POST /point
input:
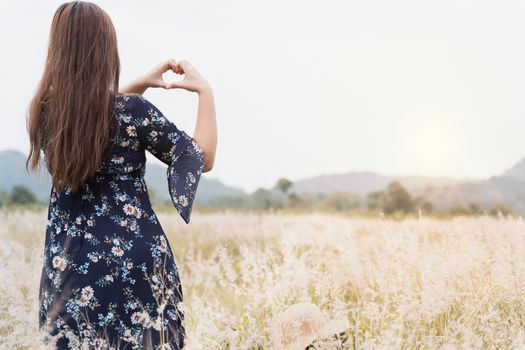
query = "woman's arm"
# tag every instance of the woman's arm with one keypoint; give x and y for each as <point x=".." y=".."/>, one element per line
<point x="151" y="79"/>
<point x="137" y="86"/>
<point x="205" y="134"/>
<point x="206" y="128"/>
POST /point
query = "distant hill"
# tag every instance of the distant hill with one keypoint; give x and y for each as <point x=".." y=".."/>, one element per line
<point x="444" y="193"/>
<point x="483" y="193"/>
<point x="14" y="173"/>
<point x="516" y="172"/>
<point x="363" y="183"/>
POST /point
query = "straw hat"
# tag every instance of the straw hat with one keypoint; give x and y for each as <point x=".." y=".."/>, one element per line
<point x="300" y="325"/>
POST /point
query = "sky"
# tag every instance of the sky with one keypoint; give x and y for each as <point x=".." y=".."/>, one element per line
<point x="305" y="88"/>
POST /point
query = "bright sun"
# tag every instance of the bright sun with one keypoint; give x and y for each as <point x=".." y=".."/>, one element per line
<point x="432" y="147"/>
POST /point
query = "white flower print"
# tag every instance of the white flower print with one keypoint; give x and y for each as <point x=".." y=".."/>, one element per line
<point x="117" y="251"/>
<point x="183" y="200"/>
<point x="136" y="317"/>
<point x="132" y="210"/>
<point x="128" y="209"/>
<point x="117" y="160"/>
<point x="85" y="296"/>
<point x="141" y="317"/>
<point x="87" y="292"/>
<point x="59" y="263"/>
<point x="131" y="130"/>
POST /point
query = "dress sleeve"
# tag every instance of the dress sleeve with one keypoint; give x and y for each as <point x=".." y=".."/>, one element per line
<point x="174" y="147"/>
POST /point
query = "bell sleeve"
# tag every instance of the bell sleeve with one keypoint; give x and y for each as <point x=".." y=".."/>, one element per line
<point x="174" y="147"/>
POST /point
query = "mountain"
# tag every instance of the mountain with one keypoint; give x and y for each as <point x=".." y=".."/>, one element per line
<point x="14" y="173"/>
<point x="444" y="193"/>
<point x="516" y="172"/>
<point x="363" y="183"/>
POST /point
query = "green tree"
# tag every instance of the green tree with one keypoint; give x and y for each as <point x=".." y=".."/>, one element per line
<point x="342" y="201"/>
<point x="424" y="205"/>
<point x="373" y="200"/>
<point x="283" y="185"/>
<point x="475" y="209"/>
<point x="3" y="197"/>
<point x="21" y="195"/>
<point x="395" y="199"/>
<point x="262" y="199"/>
<point x="295" y="200"/>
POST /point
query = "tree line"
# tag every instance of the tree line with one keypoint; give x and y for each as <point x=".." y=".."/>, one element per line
<point x="394" y="200"/>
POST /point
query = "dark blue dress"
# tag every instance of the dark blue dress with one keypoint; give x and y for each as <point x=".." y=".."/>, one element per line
<point x="109" y="277"/>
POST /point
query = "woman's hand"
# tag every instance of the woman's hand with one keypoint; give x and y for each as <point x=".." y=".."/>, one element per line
<point x="193" y="80"/>
<point x="151" y="79"/>
<point x="154" y="77"/>
<point x="205" y="134"/>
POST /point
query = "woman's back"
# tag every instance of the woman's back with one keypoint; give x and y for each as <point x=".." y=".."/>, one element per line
<point x="109" y="271"/>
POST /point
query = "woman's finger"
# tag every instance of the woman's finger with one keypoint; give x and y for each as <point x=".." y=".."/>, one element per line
<point x="180" y="69"/>
<point x="163" y="67"/>
<point x="172" y="64"/>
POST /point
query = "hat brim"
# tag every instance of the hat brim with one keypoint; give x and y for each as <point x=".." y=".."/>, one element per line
<point x="330" y="329"/>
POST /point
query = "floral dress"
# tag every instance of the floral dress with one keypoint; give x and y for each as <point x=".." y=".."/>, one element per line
<point x="109" y="279"/>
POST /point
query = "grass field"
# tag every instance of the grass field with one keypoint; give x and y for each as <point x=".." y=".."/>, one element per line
<point x="411" y="284"/>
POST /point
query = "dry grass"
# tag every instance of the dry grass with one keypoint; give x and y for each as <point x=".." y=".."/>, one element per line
<point x="417" y="283"/>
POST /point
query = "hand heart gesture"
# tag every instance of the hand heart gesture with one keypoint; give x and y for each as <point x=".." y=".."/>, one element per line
<point x="193" y="80"/>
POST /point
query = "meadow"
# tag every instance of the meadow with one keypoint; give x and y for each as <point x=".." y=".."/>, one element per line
<point x="417" y="283"/>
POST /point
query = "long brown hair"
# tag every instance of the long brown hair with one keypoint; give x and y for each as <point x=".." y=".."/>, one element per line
<point x="70" y="115"/>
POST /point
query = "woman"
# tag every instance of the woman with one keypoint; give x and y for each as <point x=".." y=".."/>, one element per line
<point x="109" y="278"/>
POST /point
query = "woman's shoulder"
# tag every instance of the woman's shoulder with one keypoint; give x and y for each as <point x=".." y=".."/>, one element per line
<point x="136" y="111"/>
<point x="132" y="102"/>
<point x="126" y="100"/>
